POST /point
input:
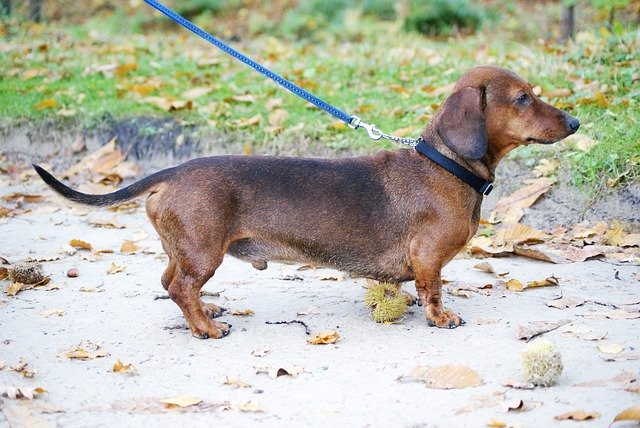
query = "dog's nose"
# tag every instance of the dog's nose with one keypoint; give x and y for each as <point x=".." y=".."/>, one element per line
<point x="573" y="124"/>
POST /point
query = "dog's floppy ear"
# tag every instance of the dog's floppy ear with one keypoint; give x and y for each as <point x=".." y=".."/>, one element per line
<point x="461" y="123"/>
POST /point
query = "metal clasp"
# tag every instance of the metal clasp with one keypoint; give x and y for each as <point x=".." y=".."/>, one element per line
<point x="487" y="189"/>
<point x="372" y="130"/>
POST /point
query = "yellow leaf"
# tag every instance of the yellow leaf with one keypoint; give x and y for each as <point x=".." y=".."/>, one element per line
<point x="249" y="406"/>
<point x="324" y="338"/>
<point x="515" y="285"/>
<point x="114" y="268"/>
<point x="338" y="126"/>
<point x="52" y="312"/>
<point x="120" y="367"/>
<point x="129" y="247"/>
<point x="236" y="383"/>
<point x="511" y="208"/>
<point x="14" y="288"/>
<point x="124" y="69"/>
<point x="252" y="121"/>
<point x="615" y="235"/>
<point x="243" y="313"/>
<point x="48" y="103"/>
<point x="181" y="401"/>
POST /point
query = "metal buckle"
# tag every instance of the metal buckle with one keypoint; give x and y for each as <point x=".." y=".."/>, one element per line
<point x="487" y="189"/>
<point x="372" y="130"/>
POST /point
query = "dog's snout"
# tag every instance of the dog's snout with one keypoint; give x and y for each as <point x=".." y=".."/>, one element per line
<point x="573" y="124"/>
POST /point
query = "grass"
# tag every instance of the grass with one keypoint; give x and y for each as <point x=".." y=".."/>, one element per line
<point x="370" y="68"/>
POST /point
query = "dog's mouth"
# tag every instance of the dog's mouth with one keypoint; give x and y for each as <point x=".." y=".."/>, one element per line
<point x="539" y="141"/>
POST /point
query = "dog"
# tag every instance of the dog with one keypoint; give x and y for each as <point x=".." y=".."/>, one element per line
<point x="394" y="216"/>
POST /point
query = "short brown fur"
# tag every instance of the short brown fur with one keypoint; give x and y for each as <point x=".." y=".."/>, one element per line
<point x="394" y="216"/>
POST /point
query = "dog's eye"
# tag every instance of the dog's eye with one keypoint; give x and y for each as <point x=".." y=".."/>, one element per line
<point x="523" y="98"/>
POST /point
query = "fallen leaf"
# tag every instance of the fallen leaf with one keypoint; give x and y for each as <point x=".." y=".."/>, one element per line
<point x="52" y="312"/>
<point x="252" y="121"/>
<point x="249" y="406"/>
<point x="583" y="332"/>
<point x="630" y="414"/>
<point x="324" y="338"/>
<point x="22" y="368"/>
<point x="451" y="376"/>
<point x="518" y="234"/>
<point x="124" y="69"/>
<point x="14" y="288"/>
<point x="21" y="393"/>
<point x="79" y="244"/>
<point x="114" y="268"/>
<point x="120" y="367"/>
<point x="610" y="348"/>
<point x="565" y="302"/>
<point x="275" y="372"/>
<point x="4" y="273"/>
<point x="243" y="313"/>
<point x="86" y="350"/>
<point x="194" y="93"/>
<point x="536" y="328"/>
<point x="46" y="103"/>
<point x="577" y="415"/>
<point x="494" y="423"/>
<point x="106" y="223"/>
<point x="129" y="247"/>
<point x="617" y="314"/>
<point x="181" y="401"/>
<point x="484" y="267"/>
<point x="245" y="99"/>
<point x="511" y="208"/>
<point x="236" y="383"/>
<point x="481" y="402"/>
<point x="91" y="289"/>
<point x="515" y="285"/>
<point x="23" y="197"/>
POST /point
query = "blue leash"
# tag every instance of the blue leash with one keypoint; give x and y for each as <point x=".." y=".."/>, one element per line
<point x="481" y="185"/>
<point x="353" y="121"/>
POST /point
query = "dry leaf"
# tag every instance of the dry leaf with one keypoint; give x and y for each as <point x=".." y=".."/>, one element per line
<point x="494" y="423"/>
<point x="610" y="348"/>
<point x="52" y="312"/>
<point x="536" y="328"/>
<point x="515" y="285"/>
<point x="518" y="234"/>
<point x="236" y="383"/>
<point x="252" y="121"/>
<point x="630" y="414"/>
<point x="194" y="93"/>
<point x="577" y="415"/>
<point x="249" y="406"/>
<point x="181" y="401"/>
<point x="120" y="367"/>
<point x="86" y="350"/>
<point x="21" y="393"/>
<point x="114" y="268"/>
<point x="275" y="372"/>
<point x="484" y="267"/>
<point x="106" y="223"/>
<point x="243" y="313"/>
<point x="79" y="244"/>
<point x="565" y="302"/>
<point x="623" y="356"/>
<point x="129" y="247"/>
<point x="617" y="314"/>
<point x="14" y="288"/>
<point x="324" y="338"/>
<point x="46" y="103"/>
<point x="583" y="332"/>
<point x="91" y="289"/>
<point x="21" y="368"/>
<point x="451" y="376"/>
<point x="511" y="208"/>
<point x="518" y="385"/>
<point x="23" y="197"/>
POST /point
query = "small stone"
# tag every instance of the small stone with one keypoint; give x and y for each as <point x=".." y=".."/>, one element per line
<point x="73" y="273"/>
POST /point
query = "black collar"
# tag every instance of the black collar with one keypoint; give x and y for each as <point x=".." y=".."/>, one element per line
<point x="479" y="184"/>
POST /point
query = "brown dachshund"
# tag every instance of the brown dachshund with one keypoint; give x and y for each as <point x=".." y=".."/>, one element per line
<point x="394" y="216"/>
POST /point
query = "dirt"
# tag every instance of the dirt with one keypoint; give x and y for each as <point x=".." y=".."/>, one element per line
<point x="350" y="383"/>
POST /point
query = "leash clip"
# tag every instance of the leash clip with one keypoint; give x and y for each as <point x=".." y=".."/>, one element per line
<point x="372" y="130"/>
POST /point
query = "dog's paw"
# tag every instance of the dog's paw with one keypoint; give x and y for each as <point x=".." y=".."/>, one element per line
<point x="445" y="319"/>
<point x="218" y="330"/>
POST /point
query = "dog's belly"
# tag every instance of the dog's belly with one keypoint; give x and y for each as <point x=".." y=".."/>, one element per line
<point x="259" y="252"/>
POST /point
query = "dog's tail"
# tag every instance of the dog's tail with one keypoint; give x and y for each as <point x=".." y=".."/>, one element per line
<point x="120" y="195"/>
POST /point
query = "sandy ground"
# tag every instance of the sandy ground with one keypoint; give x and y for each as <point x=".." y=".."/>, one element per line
<point x="350" y="383"/>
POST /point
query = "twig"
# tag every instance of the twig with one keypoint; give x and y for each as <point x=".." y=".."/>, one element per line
<point x="306" y="327"/>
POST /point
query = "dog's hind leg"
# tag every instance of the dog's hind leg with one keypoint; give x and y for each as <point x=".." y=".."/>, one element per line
<point x="184" y="290"/>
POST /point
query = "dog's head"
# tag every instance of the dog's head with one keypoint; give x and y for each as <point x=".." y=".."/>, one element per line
<point x="492" y="111"/>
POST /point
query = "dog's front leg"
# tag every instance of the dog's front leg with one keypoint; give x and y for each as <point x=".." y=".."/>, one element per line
<point x="427" y="259"/>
